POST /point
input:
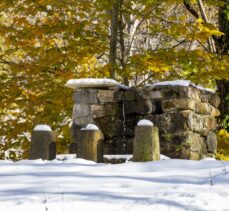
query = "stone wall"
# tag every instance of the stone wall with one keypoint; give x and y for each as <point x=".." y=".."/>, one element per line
<point x="101" y="107"/>
<point x="185" y="116"/>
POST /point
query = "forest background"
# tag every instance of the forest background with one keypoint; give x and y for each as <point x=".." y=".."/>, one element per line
<point x="43" y="43"/>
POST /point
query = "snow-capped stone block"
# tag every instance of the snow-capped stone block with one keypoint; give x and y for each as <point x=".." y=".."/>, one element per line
<point x="43" y="144"/>
<point x="42" y="128"/>
<point x="145" y="122"/>
<point x="91" y="83"/>
<point x="90" y="144"/>
<point x="146" y="145"/>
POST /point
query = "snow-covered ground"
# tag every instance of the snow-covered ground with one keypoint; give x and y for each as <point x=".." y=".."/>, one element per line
<point x="71" y="184"/>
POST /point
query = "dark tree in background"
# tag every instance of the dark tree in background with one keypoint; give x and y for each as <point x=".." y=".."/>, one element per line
<point x="223" y="49"/>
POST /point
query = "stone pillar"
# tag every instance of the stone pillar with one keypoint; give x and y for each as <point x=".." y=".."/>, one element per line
<point x="146" y="145"/>
<point x="90" y="145"/>
<point x="43" y="145"/>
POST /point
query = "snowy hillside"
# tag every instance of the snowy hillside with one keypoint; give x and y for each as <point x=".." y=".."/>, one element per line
<point x="76" y="184"/>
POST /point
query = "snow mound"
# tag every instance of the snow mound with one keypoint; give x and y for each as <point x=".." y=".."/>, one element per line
<point x="42" y="128"/>
<point x="145" y="122"/>
<point x="90" y="127"/>
<point x="66" y="156"/>
<point x="126" y="157"/>
<point x="184" y="83"/>
<point x="82" y="185"/>
<point x="163" y="157"/>
<point x="91" y="82"/>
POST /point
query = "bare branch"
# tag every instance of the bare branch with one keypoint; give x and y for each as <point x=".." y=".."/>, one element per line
<point x="191" y="9"/>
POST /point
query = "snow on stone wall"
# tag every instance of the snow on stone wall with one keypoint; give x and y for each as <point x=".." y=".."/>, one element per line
<point x="184" y="113"/>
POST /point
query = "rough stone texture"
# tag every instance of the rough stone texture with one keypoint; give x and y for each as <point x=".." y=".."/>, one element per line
<point x="188" y="114"/>
<point x="81" y="110"/>
<point x="110" y="126"/>
<point x="183" y="121"/>
<point x="186" y="145"/>
<point x="146" y="146"/>
<point x="119" y="95"/>
<point x="83" y="121"/>
<point x="73" y="148"/>
<point x="189" y="104"/>
<point x="90" y="145"/>
<point x="118" y="145"/>
<point x="108" y="109"/>
<point x="131" y="94"/>
<point x="212" y="142"/>
<point x="213" y="99"/>
<point x="105" y="108"/>
<point x="105" y="96"/>
<point x="140" y="107"/>
<point x="43" y="145"/>
<point x="171" y="92"/>
<point x="156" y="95"/>
<point x="85" y="96"/>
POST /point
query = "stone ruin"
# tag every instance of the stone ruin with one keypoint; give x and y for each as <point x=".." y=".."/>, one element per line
<point x="184" y="114"/>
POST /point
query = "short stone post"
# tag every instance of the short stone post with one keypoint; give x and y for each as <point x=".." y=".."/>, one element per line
<point x="146" y="145"/>
<point x="43" y="143"/>
<point x="90" y="144"/>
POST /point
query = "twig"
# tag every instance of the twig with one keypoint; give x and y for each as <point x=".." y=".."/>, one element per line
<point x="224" y="168"/>
<point x="211" y="43"/>
<point x="45" y="202"/>
<point x="210" y="175"/>
<point x="62" y="200"/>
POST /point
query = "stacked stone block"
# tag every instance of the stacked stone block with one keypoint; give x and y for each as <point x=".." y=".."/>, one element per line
<point x="43" y="145"/>
<point x="100" y="107"/>
<point x="90" y="145"/>
<point x="185" y="116"/>
<point x="146" y="146"/>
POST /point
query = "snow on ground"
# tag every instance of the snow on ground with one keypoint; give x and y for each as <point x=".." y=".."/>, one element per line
<point x="76" y="184"/>
<point x="126" y="157"/>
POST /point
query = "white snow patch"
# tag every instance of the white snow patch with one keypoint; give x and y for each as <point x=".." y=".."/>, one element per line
<point x="163" y="157"/>
<point x="66" y="156"/>
<point x="172" y="83"/>
<point x="207" y="158"/>
<point x="42" y="128"/>
<point x="90" y="127"/>
<point x="129" y="157"/>
<point x="145" y="122"/>
<point x="91" y="82"/>
<point x="126" y="157"/>
<point x="184" y="83"/>
<point x="82" y="185"/>
<point x="49" y="7"/>
<point x="203" y="89"/>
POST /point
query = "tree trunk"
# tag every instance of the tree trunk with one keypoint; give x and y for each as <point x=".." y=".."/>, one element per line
<point x="122" y="44"/>
<point x="113" y="38"/>
<point x="223" y="42"/>
<point x="211" y="43"/>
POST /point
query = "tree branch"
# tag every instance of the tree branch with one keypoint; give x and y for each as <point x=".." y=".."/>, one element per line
<point x="191" y="9"/>
<point x="211" y="42"/>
